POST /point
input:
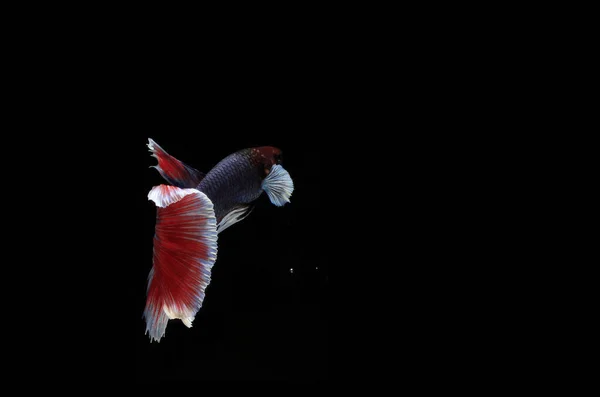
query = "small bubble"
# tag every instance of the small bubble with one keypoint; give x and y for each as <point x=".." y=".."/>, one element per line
<point x="292" y="270"/>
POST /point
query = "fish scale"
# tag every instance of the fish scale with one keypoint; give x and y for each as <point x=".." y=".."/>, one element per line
<point x="232" y="182"/>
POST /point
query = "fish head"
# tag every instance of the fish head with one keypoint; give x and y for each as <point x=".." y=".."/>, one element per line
<point x="267" y="157"/>
<point x="276" y="181"/>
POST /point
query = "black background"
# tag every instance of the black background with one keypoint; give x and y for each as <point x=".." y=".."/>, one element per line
<point x="265" y="311"/>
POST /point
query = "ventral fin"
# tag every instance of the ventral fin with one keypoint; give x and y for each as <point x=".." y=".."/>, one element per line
<point x="234" y="216"/>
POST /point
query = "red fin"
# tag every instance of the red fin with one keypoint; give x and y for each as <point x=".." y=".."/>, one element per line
<point x="173" y="170"/>
<point x="185" y="249"/>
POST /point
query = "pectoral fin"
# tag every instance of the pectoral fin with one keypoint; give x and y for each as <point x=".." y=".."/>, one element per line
<point x="278" y="185"/>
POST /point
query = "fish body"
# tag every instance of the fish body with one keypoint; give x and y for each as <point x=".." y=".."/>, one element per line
<point x="237" y="179"/>
<point x="191" y="211"/>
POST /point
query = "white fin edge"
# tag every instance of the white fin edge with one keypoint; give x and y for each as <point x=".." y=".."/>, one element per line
<point x="278" y="185"/>
<point x="185" y="314"/>
<point x="165" y="195"/>
<point x="153" y="146"/>
<point x="233" y="217"/>
<point x="157" y="320"/>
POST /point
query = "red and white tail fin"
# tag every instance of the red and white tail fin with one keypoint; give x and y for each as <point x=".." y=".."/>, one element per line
<point x="174" y="171"/>
<point x="185" y="249"/>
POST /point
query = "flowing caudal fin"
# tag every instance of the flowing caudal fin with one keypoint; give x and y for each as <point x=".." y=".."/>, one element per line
<point x="185" y="249"/>
<point x="173" y="170"/>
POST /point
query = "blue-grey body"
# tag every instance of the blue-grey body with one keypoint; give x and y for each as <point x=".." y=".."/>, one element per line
<point x="235" y="181"/>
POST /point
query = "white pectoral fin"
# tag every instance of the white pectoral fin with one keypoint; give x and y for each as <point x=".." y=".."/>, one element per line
<point x="278" y="185"/>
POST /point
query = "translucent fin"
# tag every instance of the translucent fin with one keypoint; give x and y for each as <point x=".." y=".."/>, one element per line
<point x="278" y="185"/>
<point x="234" y="217"/>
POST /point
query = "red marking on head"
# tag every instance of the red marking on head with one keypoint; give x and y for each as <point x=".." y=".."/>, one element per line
<point x="267" y="156"/>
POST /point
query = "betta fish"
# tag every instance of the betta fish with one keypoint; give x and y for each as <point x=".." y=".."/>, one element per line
<point x="191" y="211"/>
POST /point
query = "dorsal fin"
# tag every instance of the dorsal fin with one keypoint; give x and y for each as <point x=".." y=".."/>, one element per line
<point x="174" y="171"/>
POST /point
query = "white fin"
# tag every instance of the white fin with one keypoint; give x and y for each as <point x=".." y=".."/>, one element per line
<point x="185" y="314"/>
<point x="278" y="185"/>
<point x="164" y="195"/>
<point x="233" y="217"/>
